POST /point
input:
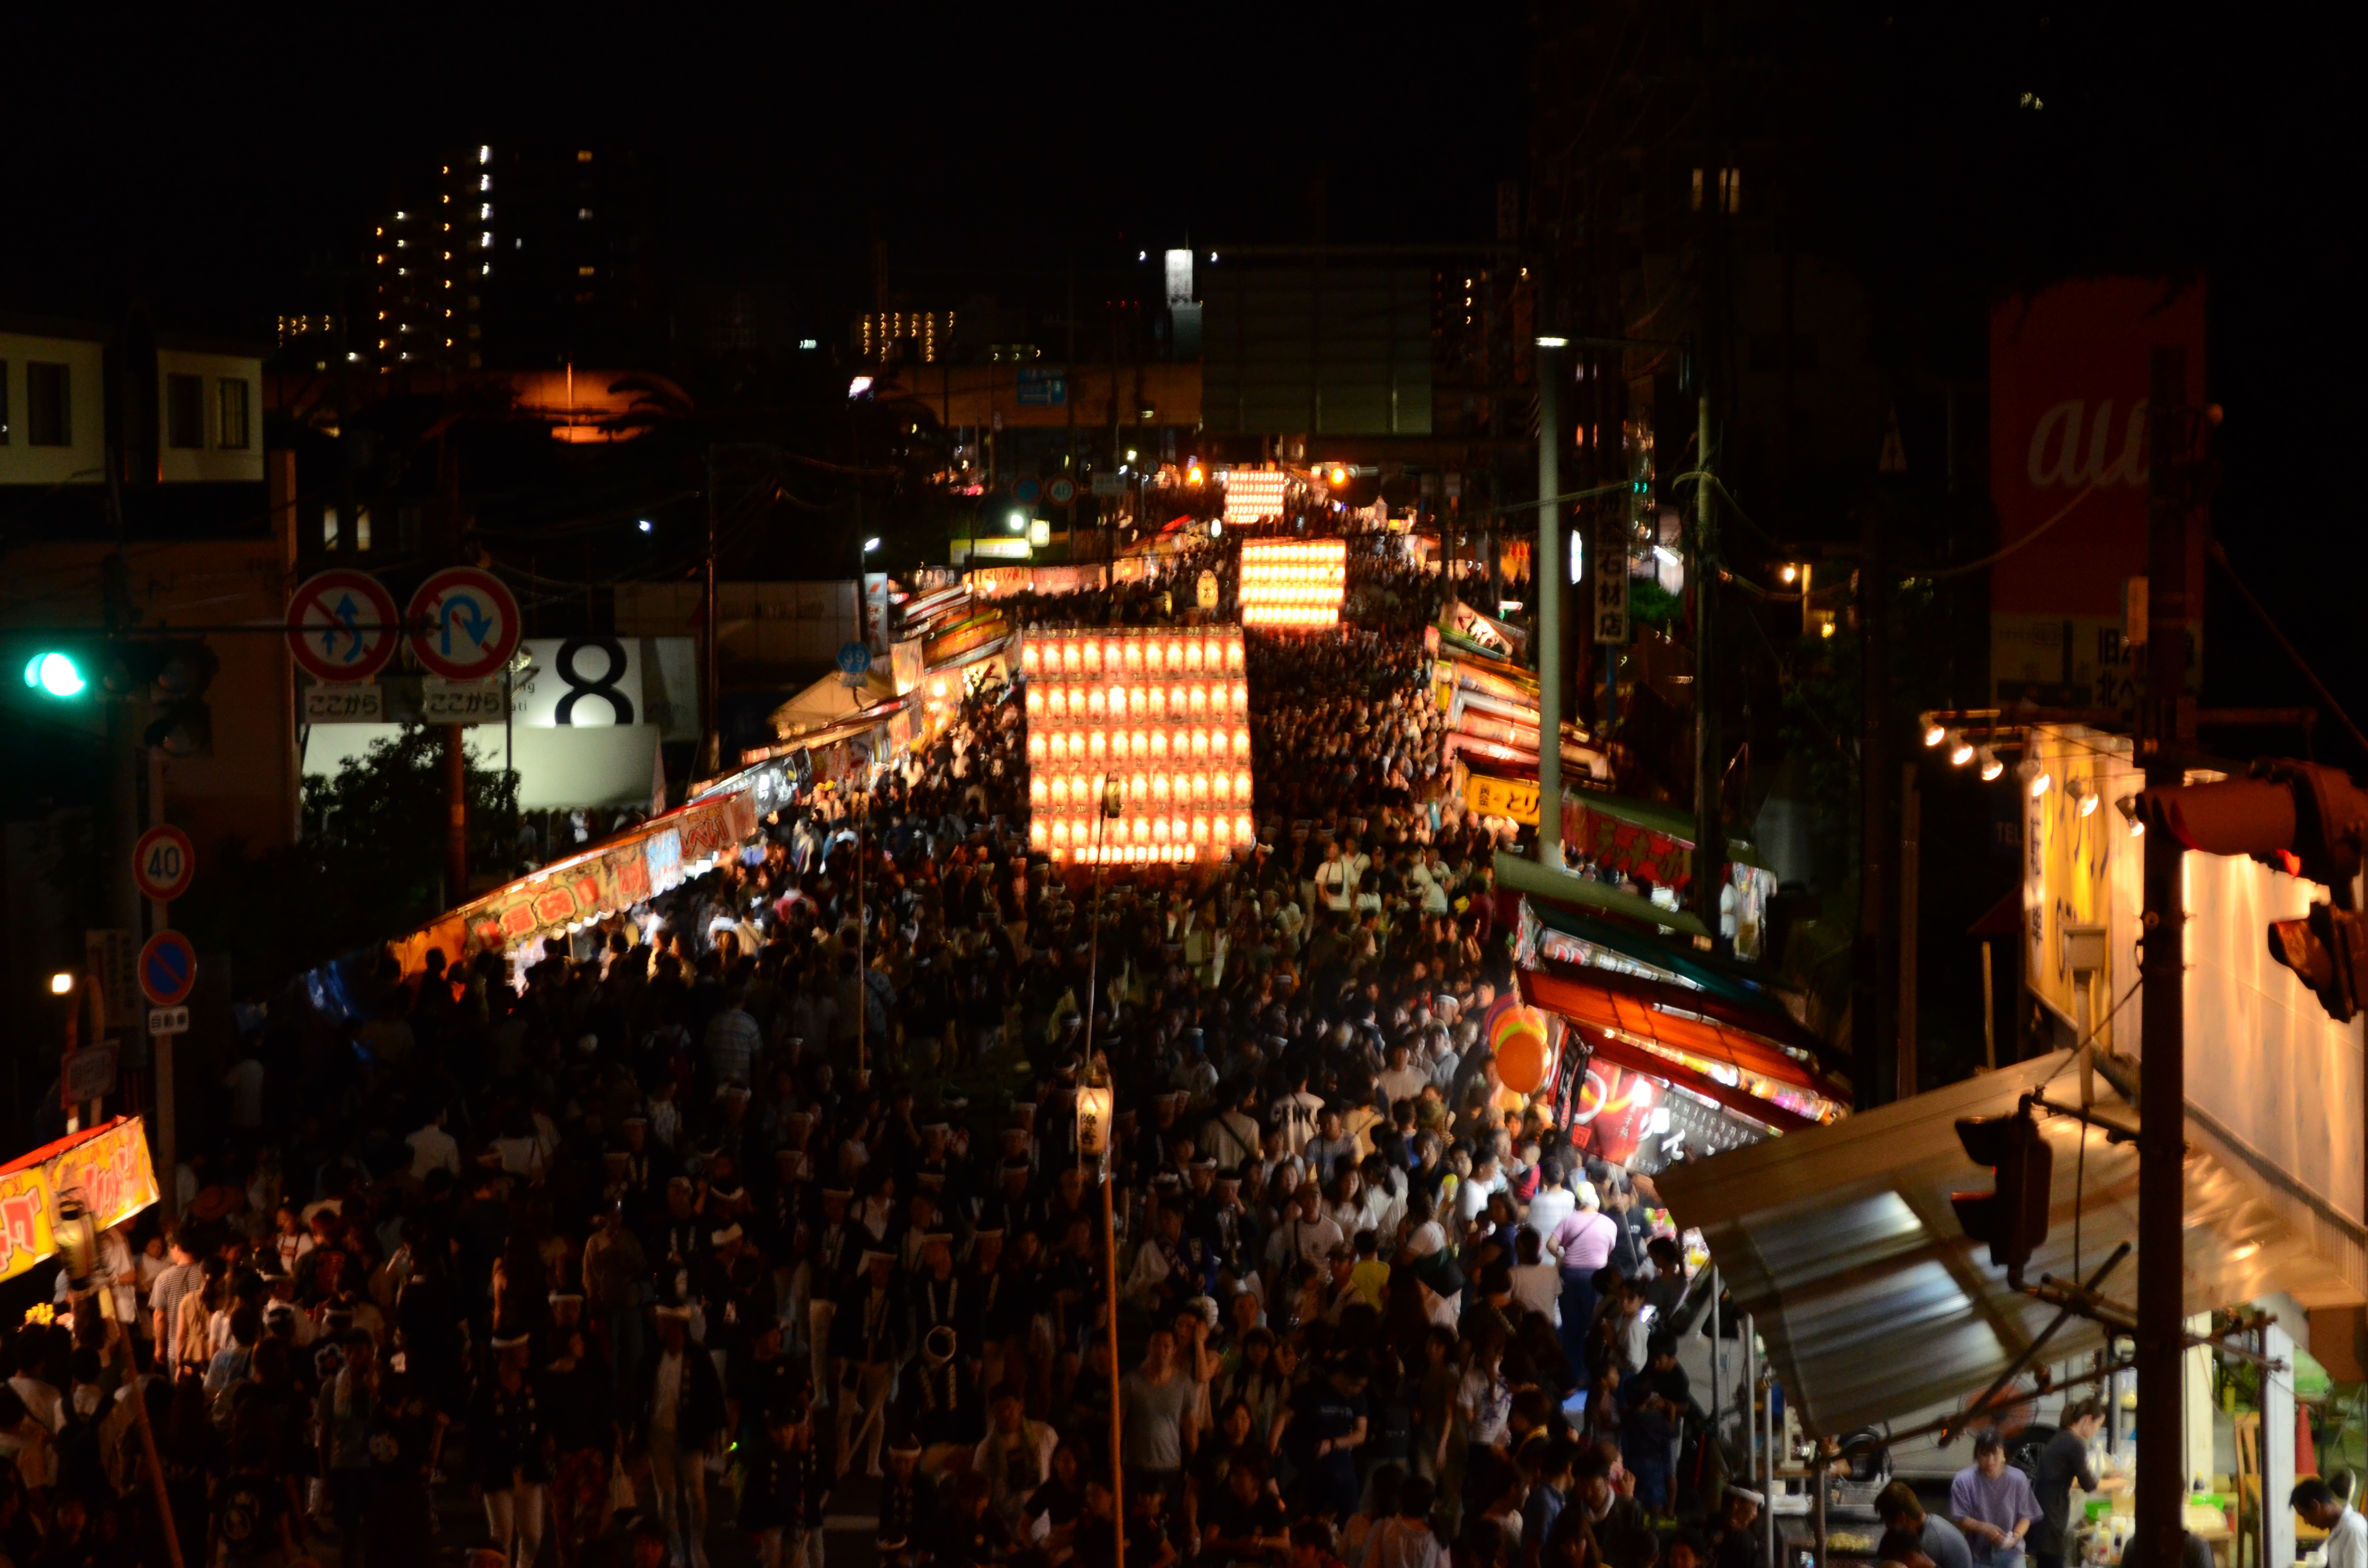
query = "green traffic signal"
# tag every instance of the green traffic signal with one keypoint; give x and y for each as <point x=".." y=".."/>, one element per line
<point x="54" y="673"/>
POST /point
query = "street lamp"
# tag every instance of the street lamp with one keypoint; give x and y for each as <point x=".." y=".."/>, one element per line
<point x="1096" y="1101"/>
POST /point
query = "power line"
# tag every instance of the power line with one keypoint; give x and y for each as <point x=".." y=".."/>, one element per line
<point x="2220" y="558"/>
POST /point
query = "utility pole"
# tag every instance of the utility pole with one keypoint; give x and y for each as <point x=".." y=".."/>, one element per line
<point x="1875" y="975"/>
<point x="2169" y="738"/>
<point x="1709" y="819"/>
<point x="1068" y="381"/>
<point x="1546" y="602"/>
<point x="714" y="741"/>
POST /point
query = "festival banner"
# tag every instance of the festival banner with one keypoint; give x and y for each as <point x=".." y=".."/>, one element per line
<point x="1516" y="799"/>
<point x="105" y="1169"/>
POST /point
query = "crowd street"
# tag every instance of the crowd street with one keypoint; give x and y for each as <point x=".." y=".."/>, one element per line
<point x="750" y="1225"/>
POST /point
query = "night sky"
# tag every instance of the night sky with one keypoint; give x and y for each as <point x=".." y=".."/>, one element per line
<point x="215" y="167"/>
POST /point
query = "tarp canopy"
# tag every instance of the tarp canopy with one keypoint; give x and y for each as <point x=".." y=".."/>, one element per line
<point x="1523" y="875"/>
<point x="1650" y="952"/>
<point x="1740" y="1057"/>
<point x="1840" y="1241"/>
<point x="830" y="699"/>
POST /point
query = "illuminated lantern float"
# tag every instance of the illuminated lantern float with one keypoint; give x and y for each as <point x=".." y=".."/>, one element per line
<point x="1167" y="712"/>
<point x="1293" y="585"/>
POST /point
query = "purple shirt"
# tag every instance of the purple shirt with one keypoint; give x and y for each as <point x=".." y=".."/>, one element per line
<point x="2005" y="1500"/>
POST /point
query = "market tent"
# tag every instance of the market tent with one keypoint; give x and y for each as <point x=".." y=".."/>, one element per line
<point x="830" y="699"/>
<point x="1756" y="1014"/>
<point x="1840" y="1241"/>
<point x="1520" y="874"/>
<point x="1654" y="1036"/>
<point x="1644" y="952"/>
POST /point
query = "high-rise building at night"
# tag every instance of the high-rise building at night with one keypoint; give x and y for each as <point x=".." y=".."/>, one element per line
<point x="513" y="257"/>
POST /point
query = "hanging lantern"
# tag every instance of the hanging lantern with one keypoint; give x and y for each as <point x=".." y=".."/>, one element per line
<point x="1518" y="1036"/>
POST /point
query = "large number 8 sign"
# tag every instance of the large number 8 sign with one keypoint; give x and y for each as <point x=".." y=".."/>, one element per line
<point x="579" y="686"/>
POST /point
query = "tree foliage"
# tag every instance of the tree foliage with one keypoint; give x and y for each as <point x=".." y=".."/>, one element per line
<point x="369" y="868"/>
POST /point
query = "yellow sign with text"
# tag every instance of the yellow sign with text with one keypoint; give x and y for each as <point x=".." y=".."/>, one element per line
<point x="1513" y="797"/>
<point x="105" y="1169"/>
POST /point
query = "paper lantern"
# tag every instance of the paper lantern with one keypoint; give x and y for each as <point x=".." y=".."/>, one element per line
<point x="1518" y="1036"/>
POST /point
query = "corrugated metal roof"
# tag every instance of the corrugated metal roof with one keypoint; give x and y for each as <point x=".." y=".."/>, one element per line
<point x="1873" y="1303"/>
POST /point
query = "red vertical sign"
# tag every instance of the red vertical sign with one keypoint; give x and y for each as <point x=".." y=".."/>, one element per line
<point x="2068" y="371"/>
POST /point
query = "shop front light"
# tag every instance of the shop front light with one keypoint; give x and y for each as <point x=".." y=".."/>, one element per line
<point x="1934" y="733"/>
<point x="1962" y="753"/>
<point x="1991" y="766"/>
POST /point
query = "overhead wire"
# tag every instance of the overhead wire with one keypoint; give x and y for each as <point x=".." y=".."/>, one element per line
<point x="2220" y="559"/>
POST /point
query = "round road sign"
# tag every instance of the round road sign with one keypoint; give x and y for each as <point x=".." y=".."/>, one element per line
<point x="162" y="863"/>
<point x="342" y="626"/>
<point x="168" y="968"/>
<point x="1061" y="492"/>
<point x="1025" y="490"/>
<point x="854" y="658"/>
<point x="465" y="624"/>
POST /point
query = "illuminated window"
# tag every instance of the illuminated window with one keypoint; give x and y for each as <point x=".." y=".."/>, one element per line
<point x="1730" y="190"/>
<point x="583" y="214"/>
<point x="484" y="182"/>
<point x="585" y="271"/>
<point x="485" y="240"/>
<point x="485" y="213"/>
<point x="1696" y="204"/>
<point x="230" y="402"/>
<point x="584" y="155"/>
<point x="484" y="155"/>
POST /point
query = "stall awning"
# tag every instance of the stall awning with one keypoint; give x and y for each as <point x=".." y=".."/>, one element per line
<point x="1731" y="1055"/>
<point x="831" y="701"/>
<point x="1841" y="1243"/>
<point x="1523" y="875"/>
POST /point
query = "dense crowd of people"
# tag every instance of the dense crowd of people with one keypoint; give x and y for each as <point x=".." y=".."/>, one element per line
<point x="761" y="1206"/>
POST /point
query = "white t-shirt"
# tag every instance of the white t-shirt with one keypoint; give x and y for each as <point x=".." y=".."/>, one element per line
<point x="1309" y="1240"/>
<point x="2347" y="1543"/>
<point x="1548" y="1209"/>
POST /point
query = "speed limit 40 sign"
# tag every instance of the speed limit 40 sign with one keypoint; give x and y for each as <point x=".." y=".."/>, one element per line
<point x="162" y="862"/>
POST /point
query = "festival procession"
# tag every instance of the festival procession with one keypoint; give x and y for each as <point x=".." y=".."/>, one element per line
<point x="1429" y="871"/>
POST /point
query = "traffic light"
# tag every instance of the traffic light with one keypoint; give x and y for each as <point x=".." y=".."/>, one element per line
<point x="2306" y="819"/>
<point x="2012" y="1217"/>
<point x="55" y="673"/>
<point x="177" y="671"/>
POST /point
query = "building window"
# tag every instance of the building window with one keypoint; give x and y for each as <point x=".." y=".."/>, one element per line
<point x="4" y="402"/>
<point x="49" y="404"/>
<point x="584" y="155"/>
<point x="231" y="398"/>
<point x="184" y="411"/>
